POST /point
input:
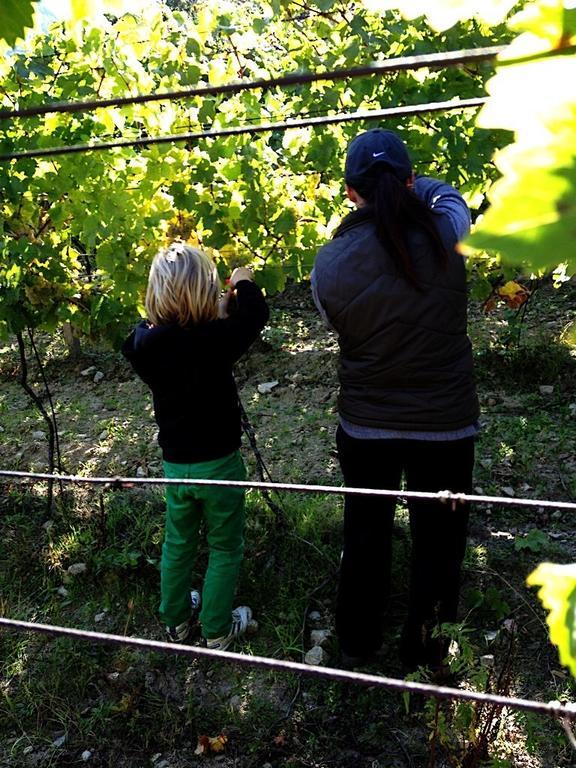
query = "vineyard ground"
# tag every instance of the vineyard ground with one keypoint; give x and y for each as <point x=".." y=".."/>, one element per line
<point x="65" y="703"/>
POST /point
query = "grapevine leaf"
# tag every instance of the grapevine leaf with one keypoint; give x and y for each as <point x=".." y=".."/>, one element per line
<point x="558" y="596"/>
<point x="15" y="17"/>
<point x="267" y="201"/>
<point x="514" y="294"/>
<point x="443" y="14"/>
<point x="532" y="216"/>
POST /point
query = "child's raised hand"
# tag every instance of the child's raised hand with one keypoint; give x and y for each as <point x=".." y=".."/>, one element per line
<point x="240" y="273"/>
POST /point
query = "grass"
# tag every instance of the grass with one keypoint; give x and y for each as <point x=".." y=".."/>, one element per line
<point x="127" y="707"/>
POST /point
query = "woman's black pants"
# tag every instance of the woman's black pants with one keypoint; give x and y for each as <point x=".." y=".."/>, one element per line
<point x="438" y="535"/>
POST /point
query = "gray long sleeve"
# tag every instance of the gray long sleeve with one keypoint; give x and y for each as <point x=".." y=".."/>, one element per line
<point x="446" y="201"/>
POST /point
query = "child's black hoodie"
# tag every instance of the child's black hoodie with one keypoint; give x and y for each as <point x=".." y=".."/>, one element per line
<point x="189" y="371"/>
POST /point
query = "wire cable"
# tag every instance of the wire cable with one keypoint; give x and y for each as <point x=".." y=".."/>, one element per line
<point x="447" y="59"/>
<point x="553" y="708"/>
<point x="445" y="496"/>
<point x="440" y="106"/>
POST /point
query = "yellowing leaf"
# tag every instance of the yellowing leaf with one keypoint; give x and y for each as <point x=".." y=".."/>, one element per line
<point x="228" y="252"/>
<point x="218" y="743"/>
<point x="558" y="595"/>
<point x="85" y="10"/>
<point x="442" y="14"/>
<point x="206" y="22"/>
<point x="82" y="9"/>
<point x="217" y="72"/>
<point x="295" y="139"/>
<point x="513" y="294"/>
<point x="210" y="744"/>
<point x="543" y="23"/>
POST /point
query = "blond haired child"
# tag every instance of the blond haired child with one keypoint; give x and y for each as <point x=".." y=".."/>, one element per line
<point x="185" y="352"/>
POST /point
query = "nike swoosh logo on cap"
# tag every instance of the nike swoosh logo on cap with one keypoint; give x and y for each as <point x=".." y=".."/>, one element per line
<point x="377" y="154"/>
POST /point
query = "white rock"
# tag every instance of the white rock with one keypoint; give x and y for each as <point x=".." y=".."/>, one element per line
<point x="487" y="660"/>
<point x="113" y="677"/>
<point x="141" y="472"/>
<point x="314" y="617"/>
<point x="508" y="490"/>
<point x="98" y="376"/>
<point x="235" y="702"/>
<point x="572" y="409"/>
<point x="100" y="617"/>
<point x="88" y="371"/>
<point x="315" y="656"/>
<point x="103" y="435"/>
<point x="546" y="389"/>
<point x="76" y="569"/>
<point x="252" y="627"/>
<point x="62" y="591"/>
<point x="39" y="435"/>
<point x="266" y="387"/>
<point x="59" y="742"/>
<point x="319" y="636"/>
<point x="86" y="755"/>
<point x="27" y="750"/>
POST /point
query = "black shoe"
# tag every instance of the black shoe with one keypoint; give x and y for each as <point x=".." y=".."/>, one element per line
<point x="419" y="649"/>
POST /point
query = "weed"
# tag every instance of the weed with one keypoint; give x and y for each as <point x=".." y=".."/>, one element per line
<point x="534" y="541"/>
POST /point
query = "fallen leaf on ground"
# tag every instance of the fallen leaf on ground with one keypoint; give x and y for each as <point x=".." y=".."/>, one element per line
<point x="208" y="745"/>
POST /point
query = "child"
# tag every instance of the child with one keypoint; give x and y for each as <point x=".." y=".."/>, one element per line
<point x="185" y="353"/>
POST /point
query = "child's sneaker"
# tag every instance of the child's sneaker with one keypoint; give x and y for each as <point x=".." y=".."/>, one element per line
<point x="178" y="634"/>
<point x="182" y="631"/>
<point x="241" y="618"/>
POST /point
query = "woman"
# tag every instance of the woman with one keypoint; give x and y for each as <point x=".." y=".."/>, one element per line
<point x="393" y="287"/>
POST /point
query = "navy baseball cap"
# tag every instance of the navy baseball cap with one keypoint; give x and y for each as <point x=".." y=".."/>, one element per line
<point x="373" y="148"/>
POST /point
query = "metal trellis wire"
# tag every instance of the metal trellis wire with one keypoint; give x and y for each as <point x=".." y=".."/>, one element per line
<point x="565" y="713"/>
<point x="553" y="708"/>
<point x="404" y="111"/>
<point x="446" y="496"/>
<point x="445" y="59"/>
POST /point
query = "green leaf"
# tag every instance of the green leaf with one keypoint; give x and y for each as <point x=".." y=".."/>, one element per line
<point x="534" y="540"/>
<point x="558" y="595"/>
<point x="272" y="278"/>
<point x="15" y="17"/>
<point x="533" y="215"/>
<point x="275" y="197"/>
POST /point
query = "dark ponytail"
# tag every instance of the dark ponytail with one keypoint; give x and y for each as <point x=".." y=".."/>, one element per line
<point x="397" y="210"/>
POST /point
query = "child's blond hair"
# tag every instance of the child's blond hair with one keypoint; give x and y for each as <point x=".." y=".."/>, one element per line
<point x="183" y="286"/>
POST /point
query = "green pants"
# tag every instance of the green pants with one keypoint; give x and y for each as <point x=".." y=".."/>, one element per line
<point x="222" y="510"/>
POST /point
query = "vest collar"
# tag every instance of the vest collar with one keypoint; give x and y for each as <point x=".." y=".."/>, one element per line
<point x="355" y="219"/>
